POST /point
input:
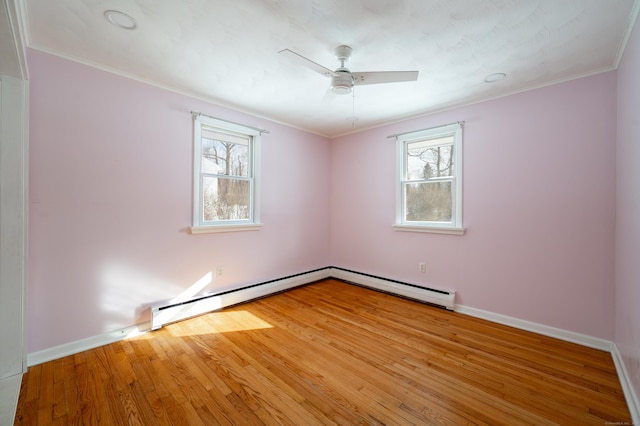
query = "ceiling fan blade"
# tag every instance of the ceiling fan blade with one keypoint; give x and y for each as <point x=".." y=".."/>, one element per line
<point x="306" y="62"/>
<point x="376" y="77"/>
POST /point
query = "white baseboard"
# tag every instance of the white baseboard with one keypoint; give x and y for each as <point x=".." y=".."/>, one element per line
<point x="625" y="381"/>
<point x="545" y="330"/>
<point x="81" y="345"/>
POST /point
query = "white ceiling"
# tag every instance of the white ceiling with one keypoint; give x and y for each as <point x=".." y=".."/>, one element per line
<point x="226" y="51"/>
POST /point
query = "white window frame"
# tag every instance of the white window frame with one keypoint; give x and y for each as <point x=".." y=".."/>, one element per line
<point x="402" y="141"/>
<point x="199" y="225"/>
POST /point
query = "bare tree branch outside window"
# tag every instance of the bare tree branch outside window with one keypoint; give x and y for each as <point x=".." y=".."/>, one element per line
<point x="428" y="190"/>
<point x="226" y="185"/>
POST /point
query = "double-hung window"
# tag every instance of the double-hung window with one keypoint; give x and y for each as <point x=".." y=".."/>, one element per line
<point x="225" y="176"/>
<point x="429" y="197"/>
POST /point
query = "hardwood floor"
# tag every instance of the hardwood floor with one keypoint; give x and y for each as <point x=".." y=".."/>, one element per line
<point x="328" y="353"/>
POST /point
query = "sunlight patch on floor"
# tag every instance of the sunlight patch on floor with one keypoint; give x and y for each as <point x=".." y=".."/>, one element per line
<point x="219" y="322"/>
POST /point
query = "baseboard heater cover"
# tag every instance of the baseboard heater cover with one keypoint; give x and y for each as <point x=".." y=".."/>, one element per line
<point x="168" y="313"/>
<point x="443" y="298"/>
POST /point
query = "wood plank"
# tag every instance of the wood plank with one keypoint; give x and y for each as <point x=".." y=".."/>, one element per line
<point x="328" y="353"/>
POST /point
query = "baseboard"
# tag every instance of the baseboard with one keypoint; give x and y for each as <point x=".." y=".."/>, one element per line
<point x="442" y="298"/>
<point x="627" y="387"/>
<point x="545" y="330"/>
<point x="78" y="346"/>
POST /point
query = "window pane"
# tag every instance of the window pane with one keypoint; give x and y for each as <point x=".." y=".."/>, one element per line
<point x="425" y="161"/>
<point x="225" y="158"/>
<point x="428" y="202"/>
<point x="225" y="199"/>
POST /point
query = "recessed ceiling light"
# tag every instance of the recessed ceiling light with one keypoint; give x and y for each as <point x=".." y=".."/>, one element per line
<point x="120" y="19"/>
<point x="492" y="78"/>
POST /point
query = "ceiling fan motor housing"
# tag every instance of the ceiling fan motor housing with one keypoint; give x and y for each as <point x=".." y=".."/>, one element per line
<point x="343" y="52"/>
<point x="341" y="82"/>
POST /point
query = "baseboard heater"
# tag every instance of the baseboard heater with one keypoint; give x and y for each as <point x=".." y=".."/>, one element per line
<point x="443" y="298"/>
<point x="167" y="313"/>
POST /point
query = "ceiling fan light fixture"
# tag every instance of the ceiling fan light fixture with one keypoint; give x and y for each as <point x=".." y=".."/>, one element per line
<point x="341" y="90"/>
<point x="120" y="19"/>
<point x="341" y="84"/>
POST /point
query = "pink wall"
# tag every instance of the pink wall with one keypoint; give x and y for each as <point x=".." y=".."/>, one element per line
<point x="627" y="317"/>
<point x="539" y="207"/>
<point x="110" y="203"/>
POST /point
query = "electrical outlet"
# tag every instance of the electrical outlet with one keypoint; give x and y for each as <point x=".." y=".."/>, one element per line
<point x="219" y="270"/>
<point x="422" y="267"/>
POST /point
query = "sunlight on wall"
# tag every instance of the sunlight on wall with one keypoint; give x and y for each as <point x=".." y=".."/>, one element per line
<point x="180" y="312"/>
<point x="175" y="313"/>
<point x="194" y="289"/>
<point x="124" y="296"/>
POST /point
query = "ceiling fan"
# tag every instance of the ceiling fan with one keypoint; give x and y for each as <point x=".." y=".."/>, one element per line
<point x="343" y="80"/>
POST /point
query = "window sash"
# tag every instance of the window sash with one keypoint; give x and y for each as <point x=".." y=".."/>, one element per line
<point x="451" y="135"/>
<point x="209" y="128"/>
<point x="231" y="137"/>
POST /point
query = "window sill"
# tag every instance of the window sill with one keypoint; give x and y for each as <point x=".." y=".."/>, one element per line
<point x="225" y="228"/>
<point x="430" y="229"/>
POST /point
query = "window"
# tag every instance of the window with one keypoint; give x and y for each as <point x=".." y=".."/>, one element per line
<point x="224" y="184"/>
<point x="430" y="180"/>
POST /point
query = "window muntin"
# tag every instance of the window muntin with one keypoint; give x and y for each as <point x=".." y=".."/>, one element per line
<point x="430" y="178"/>
<point x="224" y="175"/>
